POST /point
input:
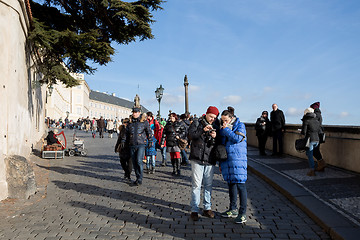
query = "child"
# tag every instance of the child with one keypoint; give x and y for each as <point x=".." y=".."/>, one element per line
<point x="150" y="152"/>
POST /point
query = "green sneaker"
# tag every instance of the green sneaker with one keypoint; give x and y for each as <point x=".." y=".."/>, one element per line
<point x="240" y="219"/>
<point x="230" y="214"/>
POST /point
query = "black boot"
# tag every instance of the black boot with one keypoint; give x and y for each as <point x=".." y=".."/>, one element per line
<point x="173" y="165"/>
<point x="178" y="160"/>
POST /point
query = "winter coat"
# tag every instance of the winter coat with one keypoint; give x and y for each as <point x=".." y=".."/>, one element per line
<point x="138" y="132"/>
<point x="318" y="115"/>
<point x="158" y="137"/>
<point x="101" y="123"/>
<point x="150" y="149"/>
<point x="110" y="125"/>
<point x="124" y="153"/>
<point x="186" y="124"/>
<point x="311" y="127"/>
<point x="262" y="130"/>
<point x="171" y="130"/>
<point x="234" y="169"/>
<point x="201" y="142"/>
<point x="277" y="119"/>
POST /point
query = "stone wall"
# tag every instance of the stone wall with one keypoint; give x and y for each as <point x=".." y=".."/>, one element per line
<point x="341" y="149"/>
<point x="22" y="101"/>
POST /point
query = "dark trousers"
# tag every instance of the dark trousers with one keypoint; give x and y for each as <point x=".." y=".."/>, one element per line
<point x="317" y="153"/>
<point x="101" y="132"/>
<point x="277" y="137"/>
<point x="126" y="164"/>
<point x="262" y="142"/>
<point x="234" y="189"/>
<point x="137" y="155"/>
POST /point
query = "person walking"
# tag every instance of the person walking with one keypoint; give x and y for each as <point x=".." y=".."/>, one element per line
<point x="138" y="134"/>
<point x="173" y="132"/>
<point x="186" y="123"/>
<point x="110" y="128"/>
<point x="277" y="120"/>
<point x="234" y="168"/>
<point x="316" y="152"/>
<point x="311" y="129"/>
<point x="158" y="144"/>
<point x="93" y="127"/>
<point x="202" y="133"/>
<point x="263" y="129"/>
<point x="150" y="153"/>
<point x="101" y="126"/>
<point x="124" y="151"/>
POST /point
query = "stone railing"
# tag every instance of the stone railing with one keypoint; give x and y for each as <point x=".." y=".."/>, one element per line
<point x="341" y="149"/>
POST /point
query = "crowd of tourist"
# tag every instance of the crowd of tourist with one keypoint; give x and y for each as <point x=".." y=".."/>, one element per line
<point x="207" y="140"/>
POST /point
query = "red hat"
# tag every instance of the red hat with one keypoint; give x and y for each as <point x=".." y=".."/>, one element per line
<point x="315" y="105"/>
<point x="212" y="110"/>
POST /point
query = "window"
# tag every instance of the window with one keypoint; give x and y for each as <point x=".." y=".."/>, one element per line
<point x="78" y="110"/>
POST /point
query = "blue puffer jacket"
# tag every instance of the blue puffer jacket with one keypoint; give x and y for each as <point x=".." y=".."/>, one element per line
<point x="234" y="169"/>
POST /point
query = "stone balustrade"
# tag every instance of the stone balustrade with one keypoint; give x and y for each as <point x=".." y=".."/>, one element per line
<point x="341" y="149"/>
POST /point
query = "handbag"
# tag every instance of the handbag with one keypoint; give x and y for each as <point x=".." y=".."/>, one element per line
<point x="322" y="137"/>
<point x="220" y="153"/>
<point x="301" y="144"/>
<point x="182" y="143"/>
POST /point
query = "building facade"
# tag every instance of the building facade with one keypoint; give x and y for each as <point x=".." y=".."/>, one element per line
<point x="69" y="102"/>
<point x="22" y="100"/>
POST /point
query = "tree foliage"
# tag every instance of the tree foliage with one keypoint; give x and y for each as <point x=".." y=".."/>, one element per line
<point x="70" y="34"/>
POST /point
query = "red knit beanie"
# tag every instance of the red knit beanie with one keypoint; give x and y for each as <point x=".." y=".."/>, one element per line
<point x="315" y="105"/>
<point x="212" y="110"/>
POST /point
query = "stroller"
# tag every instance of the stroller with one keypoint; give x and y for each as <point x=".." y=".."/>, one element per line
<point x="78" y="147"/>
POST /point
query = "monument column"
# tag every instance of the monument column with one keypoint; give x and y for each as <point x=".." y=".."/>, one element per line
<point x="186" y="84"/>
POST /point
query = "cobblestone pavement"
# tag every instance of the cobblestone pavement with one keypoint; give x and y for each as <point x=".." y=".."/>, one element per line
<point x="87" y="198"/>
<point x="337" y="187"/>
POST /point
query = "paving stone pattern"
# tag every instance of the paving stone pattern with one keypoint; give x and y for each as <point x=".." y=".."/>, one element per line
<point x="338" y="187"/>
<point x="87" y="198"/>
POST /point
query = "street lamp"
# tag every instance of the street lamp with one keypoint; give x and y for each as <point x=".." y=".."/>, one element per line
<point x="159" y="93"/>
<point x="51" y="88"/>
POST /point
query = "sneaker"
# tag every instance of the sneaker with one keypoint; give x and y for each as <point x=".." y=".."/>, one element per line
<point x="152" y="171"/>
<point x="240" y="219"/>
<point x="136" y="183"/>
<point x="230" y="214"/>
<point x="209" y="213"/>
<point x="194" y="216"/>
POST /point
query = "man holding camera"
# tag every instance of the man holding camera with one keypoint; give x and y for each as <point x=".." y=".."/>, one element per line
<point x="202" y="132"/>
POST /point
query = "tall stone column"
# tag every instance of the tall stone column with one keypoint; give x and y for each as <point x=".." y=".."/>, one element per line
<point x="186" y="84"/>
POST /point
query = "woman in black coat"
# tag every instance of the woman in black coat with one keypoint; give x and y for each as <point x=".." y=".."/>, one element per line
<point x="263" y="130"/>
<point x="173" y="131"/>
<point x="311" y="129"/>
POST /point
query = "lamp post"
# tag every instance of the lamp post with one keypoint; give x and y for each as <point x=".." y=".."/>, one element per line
<point x="159" y="93"/>
<point x="51" y="88"/>
<point x="186" y="84"/>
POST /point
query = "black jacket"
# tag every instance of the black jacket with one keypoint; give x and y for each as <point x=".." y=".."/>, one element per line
<point x="171" y="130"/>
<point x="201" y="142"/>
<point x="318" y="115"/>
<point x="137" y="132"/>
<point x="277" y="119"/>
<point x="263" y="130"/>
<point x="311" y="127"/>
<point x="124" y="152"/>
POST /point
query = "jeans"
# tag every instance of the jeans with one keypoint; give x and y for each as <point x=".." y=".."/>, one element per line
<point x="317" y="153"/>
<point x="201" y="173"/>
<point x="184" y="156"/>
<point x="137" y="154"/>
<point x="150" y="160"/>
<point x="309" y="153"/>
<point x="163" y="153"/>
<point x="234" y="189"/>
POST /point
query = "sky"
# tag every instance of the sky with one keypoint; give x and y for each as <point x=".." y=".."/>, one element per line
<point x="247" y="54"/>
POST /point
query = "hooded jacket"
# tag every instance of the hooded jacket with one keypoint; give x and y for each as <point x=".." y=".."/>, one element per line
<point x="234" y="169"/>
<point x="311" y="127"/>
